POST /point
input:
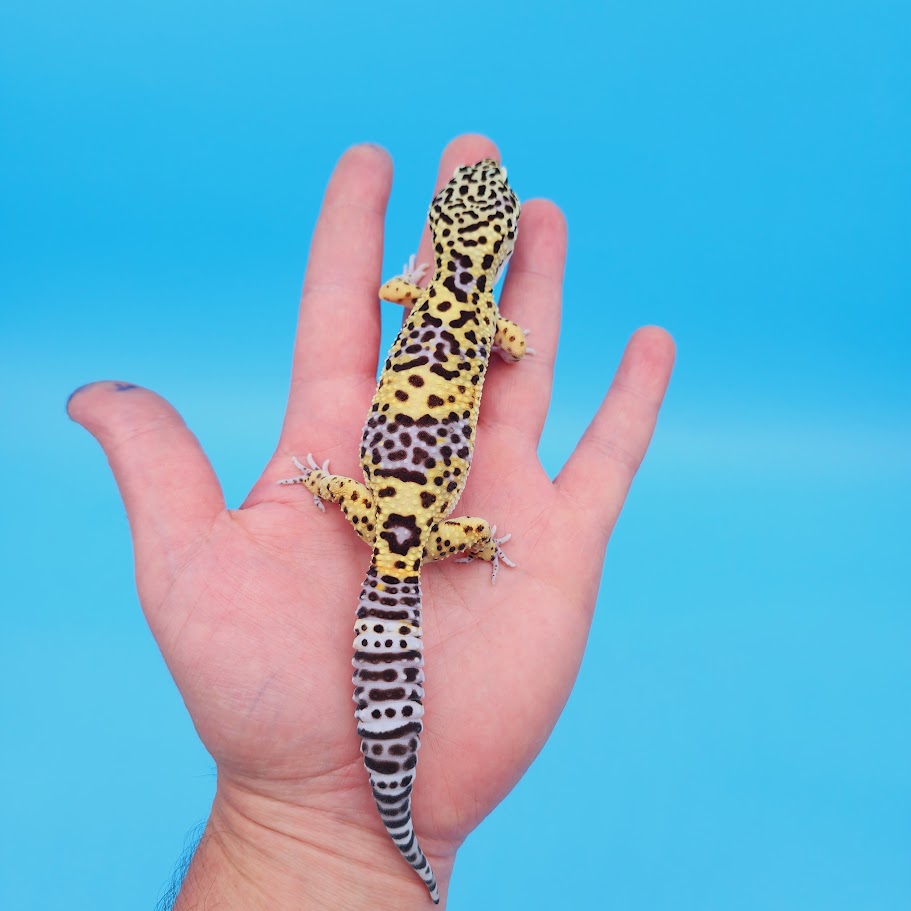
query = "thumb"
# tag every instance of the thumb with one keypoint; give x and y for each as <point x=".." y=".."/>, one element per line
<point x="169" y="489"/>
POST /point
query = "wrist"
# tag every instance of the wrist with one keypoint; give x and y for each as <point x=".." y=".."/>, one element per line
<point x="260" y="853"/>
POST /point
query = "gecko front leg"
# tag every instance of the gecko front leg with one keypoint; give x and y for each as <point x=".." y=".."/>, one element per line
<point x="404" y="289"/>
<point x="510" y="341"/>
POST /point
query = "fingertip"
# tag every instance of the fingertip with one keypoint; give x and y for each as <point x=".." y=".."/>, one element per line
<point x="82" y="401"/>
<point x="468" y="148"/>
<point x="370" y="153"/>
<point x="544" y="212"/>
<point x="656" y="338"/>
<point x="542" y="240"/>
<point x="362" y="177"/>
<point x="469" y="143"/>
<point x="653" y="351"/>
<point x="71" y="396"/>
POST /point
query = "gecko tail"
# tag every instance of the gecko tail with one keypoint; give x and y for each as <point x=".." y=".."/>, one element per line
<point x="388" y="689"/>
<point x="396" y="816"/>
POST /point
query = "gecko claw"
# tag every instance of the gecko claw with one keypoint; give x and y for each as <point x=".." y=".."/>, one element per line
<point x="498" y="555"/>
<point x="528" y="348"/>
<point x="412" y="273"/>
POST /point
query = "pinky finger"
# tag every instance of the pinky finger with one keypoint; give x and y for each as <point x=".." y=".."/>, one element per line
<point x="602" y="467"/>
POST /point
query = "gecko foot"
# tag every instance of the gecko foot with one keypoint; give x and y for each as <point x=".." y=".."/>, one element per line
<point x="306" y="471"/>
<point x="412" y="273"/>
<point x="511" y="358"/>
<point x="498" y="554"/>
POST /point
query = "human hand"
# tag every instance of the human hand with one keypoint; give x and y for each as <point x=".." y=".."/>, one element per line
<point x="253" y="608"/>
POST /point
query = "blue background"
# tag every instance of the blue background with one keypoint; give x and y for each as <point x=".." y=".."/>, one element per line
<point x="737" y="172"/>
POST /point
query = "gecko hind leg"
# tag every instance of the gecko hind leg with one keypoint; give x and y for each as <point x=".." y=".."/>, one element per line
<point x="355" y="500"/>
<point x="472" y="537"/>
<point x="305" y="475"/>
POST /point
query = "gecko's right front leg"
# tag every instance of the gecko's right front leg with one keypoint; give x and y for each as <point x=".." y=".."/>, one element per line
<point x="354" y="498"/>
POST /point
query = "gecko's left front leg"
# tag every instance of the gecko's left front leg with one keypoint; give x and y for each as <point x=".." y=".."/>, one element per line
<point x="355" y="500"/>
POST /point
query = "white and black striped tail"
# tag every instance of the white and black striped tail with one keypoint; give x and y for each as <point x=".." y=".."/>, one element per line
<point x="388" y="677"/>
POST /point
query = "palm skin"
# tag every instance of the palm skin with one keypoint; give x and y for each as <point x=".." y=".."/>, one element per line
<point x="253" y="608"/>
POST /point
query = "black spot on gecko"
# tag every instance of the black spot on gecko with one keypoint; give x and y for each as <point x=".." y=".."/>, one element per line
<point x="457" y="292"/>
<point x="383" y="767"/>
<point x="402" y="474"/>
<point x="417" y="362"/>
<point x="464" y="317"/>
<point x="396" y="694"/>
<point x="439" y="370"/>
<point x="401" y="534"/>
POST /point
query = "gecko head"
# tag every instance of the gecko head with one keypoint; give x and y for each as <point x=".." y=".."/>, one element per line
<point x="474" y="220"/>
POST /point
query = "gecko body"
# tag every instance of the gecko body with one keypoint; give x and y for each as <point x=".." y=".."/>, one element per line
<point x="416" y="452"/>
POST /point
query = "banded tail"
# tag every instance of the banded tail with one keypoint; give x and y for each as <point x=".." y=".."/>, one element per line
<point x="388" y="677"/>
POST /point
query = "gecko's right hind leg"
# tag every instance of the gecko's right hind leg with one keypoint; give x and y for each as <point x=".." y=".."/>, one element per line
<point x="354" y="498"/>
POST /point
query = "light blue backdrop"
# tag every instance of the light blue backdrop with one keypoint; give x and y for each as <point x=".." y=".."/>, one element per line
<point x="737" y="172"/>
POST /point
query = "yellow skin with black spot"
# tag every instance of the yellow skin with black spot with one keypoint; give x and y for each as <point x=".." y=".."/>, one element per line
<point x="416" y="452"/>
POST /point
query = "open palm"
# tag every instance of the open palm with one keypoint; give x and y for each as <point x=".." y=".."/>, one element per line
<point x="253" y="608"/>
